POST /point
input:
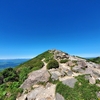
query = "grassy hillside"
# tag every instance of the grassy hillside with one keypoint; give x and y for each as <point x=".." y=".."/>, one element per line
<point x="81" y="91"/>
<point x="14" y="77"/>
<point x="95" y="60"/>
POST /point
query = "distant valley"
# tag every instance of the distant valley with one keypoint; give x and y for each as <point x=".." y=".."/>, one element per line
<point x="5" y="63"/>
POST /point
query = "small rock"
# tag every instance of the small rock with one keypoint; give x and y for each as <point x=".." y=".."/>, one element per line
<point x="92" y="80"/>
<point x="87" y="77"/>
<point x="98" y="94"/>
<point x="59" y="97"/>
<point x="69" y="73"/>
<point x="78" y="69"/>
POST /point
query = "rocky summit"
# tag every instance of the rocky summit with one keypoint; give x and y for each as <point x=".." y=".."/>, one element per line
<point x="52" y="75"/>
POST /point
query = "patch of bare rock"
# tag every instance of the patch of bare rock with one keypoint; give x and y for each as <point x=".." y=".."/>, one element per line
<point x="40" y="93"/>
<point x="35" y="77"/>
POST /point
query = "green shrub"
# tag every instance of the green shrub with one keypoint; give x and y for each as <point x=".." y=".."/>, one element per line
<point x="64" y="60"/>
<point x="10" y="74"/>
<point x="52" y="64"/>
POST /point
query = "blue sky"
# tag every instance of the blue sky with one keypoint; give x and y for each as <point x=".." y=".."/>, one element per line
<point x="30" y="27"/>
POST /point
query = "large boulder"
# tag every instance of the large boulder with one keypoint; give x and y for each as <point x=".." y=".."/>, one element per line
<point x="40" y="93"/>
<point x="70" y="82"/>
<point x="70" y="63"/>
<point x="35" y="77"/>
<point x="48" y="93"/>
<point x="78" y="69"/>
<point x="82" y="64"/>
<point x="96" y="72"/>
<point x="55" y="75"/>
<point x="32" y="95"/>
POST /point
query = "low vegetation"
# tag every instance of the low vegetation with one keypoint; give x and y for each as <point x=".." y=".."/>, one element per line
<point x="64" y="60"/>
<point x="52" y="64"/>
<point x="81" y="91"/>
<point x="95" y="60"/>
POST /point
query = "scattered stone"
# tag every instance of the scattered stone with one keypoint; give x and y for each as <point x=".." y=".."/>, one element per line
<point x="96" y="72"/>
<point x="23" y="97"/>
<point x="92" y="80"/>
<point x="70" y="63"/>
<point x="60" y="55"/>
<point x="32" y="95"/>
<point x="98" y="94"/>
<point x="59" y="97"/>
<point x="82" y="63"/>
<point x="87" y="77"/>
<point x="78" y="69"/>
<point x="69" y="73"/>
<point x="55" y="74"/>
<point x="98" y="85"/>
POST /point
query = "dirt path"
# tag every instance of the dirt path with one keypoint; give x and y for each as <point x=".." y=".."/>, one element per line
<point x="45" y="64"/>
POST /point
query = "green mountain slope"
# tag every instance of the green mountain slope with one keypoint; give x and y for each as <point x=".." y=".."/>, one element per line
<point x="12" y="78"/>
<point x="95" y="60"/>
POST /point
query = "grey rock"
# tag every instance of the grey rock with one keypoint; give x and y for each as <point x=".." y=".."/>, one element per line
<point x="70" y="82"/>
<point x="35" y="77"/>
<point x="82" y="63"/>
<point x="23" y="97"/>
<point x="98" y="94"/>
<point x="87" y="77"/>
<point x="78" y="69"/>
<point x="69" y="73"/>
<point x="92" y="80"/>
<point x="88" y="71"/>
<point x="32" y="95"/>
<point x="70" y="63"/>
<point x="54" y="76"/>
<point x="96" y="72"/>
<point x="60" y="55"/>
<point x="59" y="97"/>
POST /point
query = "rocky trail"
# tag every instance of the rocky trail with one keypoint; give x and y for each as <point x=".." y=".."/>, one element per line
<point x="38" y="86"/>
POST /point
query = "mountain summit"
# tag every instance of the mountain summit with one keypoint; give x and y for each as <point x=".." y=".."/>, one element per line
<point x="52" y="75"/>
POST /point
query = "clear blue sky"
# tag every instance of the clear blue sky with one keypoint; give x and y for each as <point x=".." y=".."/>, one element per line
<point x="30" y="27"/>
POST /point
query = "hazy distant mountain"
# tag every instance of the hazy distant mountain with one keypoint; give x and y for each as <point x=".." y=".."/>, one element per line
<point x="5" y="63"/>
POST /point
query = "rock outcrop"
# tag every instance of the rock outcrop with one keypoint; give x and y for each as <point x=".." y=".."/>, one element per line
<point x="40" y="93"/>
<point x="35" y="77"/>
